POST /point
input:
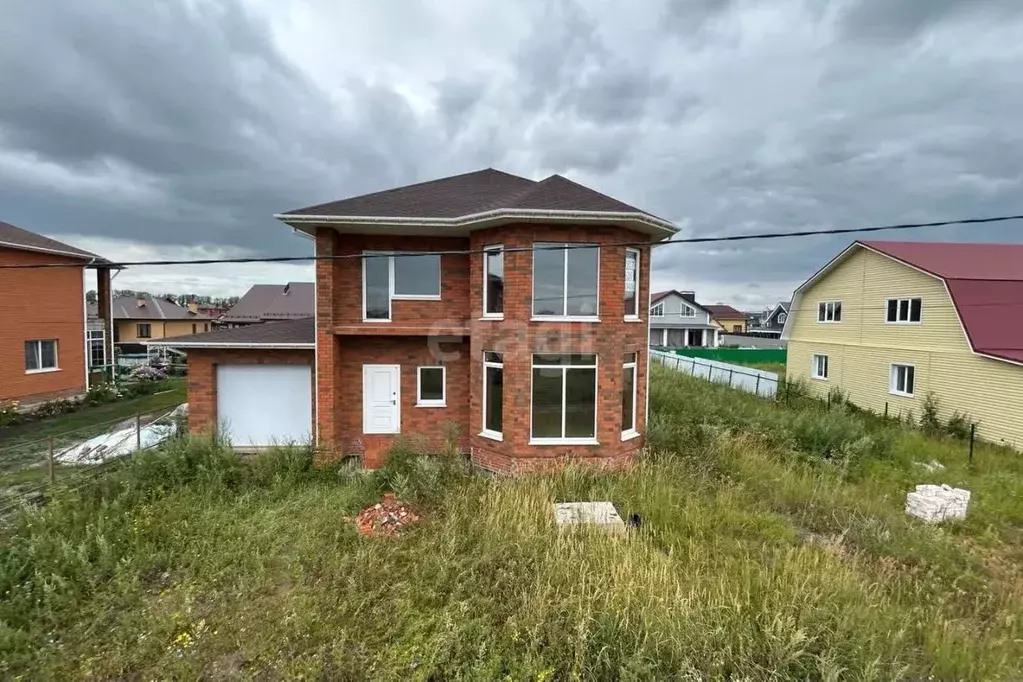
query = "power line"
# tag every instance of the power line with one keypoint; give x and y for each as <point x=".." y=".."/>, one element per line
<point x="534" y="247"/>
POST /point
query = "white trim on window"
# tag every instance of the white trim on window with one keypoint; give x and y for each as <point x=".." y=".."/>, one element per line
<point x="486" y="250"/>
<point x="492" y="364"/>
<point x="442" y="402"/>
<point x="565" y="248"/>
<point x="829" y="312"/>
<point x="904" y="311"/>
<point x="38" y="356"/>
<point x="563" y="440"/>
<point x="908" y="380"/>
<point x="391" y="295"/>
<point x="819" y="367"/>
<point x="633" y="365"/>
<point x="687" y="310"/>
<point x="633" y="316"/>
<point x="657" y="309"/>
<point x="782" y="317"/>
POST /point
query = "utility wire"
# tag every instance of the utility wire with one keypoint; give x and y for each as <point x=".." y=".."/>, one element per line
<point x="535" y="247"/>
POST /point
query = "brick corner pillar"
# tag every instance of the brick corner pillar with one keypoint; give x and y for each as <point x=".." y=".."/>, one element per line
<point x="103" y="312"/>
<point x="328" y="352"/>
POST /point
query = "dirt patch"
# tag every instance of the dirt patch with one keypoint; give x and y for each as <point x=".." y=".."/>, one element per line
<point x="388" y="518"/>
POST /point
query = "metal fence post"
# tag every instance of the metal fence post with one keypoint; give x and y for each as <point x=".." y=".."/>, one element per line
<point x="973" y="432"/>
<point x="758" y="385"/>
<point x="49" y="469"/>
<point x="138" y="431"/>
<point x="731" y="372"/>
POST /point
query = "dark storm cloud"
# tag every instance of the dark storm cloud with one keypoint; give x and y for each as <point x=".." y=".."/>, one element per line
<point x="897" y="20"/>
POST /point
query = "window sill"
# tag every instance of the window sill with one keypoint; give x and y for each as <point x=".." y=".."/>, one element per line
<point x="376" y="321"/>
<point x="564" y="441"/>
<point x="903" y="323"/>
<point x="629" y="435"/>
<point x="632" y="319"/>
<point x="45" y="370"/>
<point x="492" y="317"/>
<point x="818" y="378"/>
<point x="413" y="297"/>
<point x="902" y="394"/>
<point x="492" y="435"/>
<point x="829" y="321"/>
<point x="432" y="404"/>
<point x="564" y="319"/>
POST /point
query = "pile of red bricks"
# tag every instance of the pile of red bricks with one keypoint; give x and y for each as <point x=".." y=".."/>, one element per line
<point x="385" y="519"/>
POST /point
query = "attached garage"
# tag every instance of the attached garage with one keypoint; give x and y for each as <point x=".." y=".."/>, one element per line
<point x="263" y="404"/>
<point x="254" y="385"/>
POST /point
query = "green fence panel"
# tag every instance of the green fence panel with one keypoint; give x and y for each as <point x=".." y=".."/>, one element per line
<point x="740" y="356"/>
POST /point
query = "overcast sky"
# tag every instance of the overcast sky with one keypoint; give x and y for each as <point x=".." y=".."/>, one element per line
<point x="178" y="128"/>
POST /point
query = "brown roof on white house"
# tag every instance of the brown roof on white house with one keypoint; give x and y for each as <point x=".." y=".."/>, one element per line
<point x="14" y="237"/>
<point x="290" y="301"/>
<point x="470" y="194"/>
<point x="289" y="334"/>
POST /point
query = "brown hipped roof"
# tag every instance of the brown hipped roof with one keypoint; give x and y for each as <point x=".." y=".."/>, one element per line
<point x="14" y="237"/>
<point x="724" y="311"/>
<point x="290" y="301"/>
<point x="469" y="195"/>
<point x="289" y="334"/>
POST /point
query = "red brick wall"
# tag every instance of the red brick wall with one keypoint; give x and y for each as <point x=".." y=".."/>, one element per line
<point x="424" y="424"/>
<point x="202" y="378"/>
<point x="41" y="304"/>
<point x="340" y="357"/>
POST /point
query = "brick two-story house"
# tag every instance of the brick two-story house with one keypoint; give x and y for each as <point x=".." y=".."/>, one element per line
<point x="508" y="311"/>
<point x="44" y="350"/>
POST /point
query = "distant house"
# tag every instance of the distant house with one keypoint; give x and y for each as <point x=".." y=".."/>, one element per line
<point x="677" y="321"/>
<point x="771" y="322"/>
<point x="729" y="319"/>
<point x="272" y="303"/>
<point x="141" y="319"/>
<point x="890" y="322"/>
<point x="45" y="348"/>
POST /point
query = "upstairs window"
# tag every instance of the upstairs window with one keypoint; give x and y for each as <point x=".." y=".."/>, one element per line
<point x="687" y="311"/>
<point x="782" y="317"/>
<point x="829" y="311"/>
<point x="657" y="310"/>
<point x="41" y="356"/>
<point x="144" y="330"/>
<point x="565" y="281"/>
<point x="493" y="281"/>
<point x="631" y="284"/>
<point x="904" y="310"/>
<point x="388" y="277"/>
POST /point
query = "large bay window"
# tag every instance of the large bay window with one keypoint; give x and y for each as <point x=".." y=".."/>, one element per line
<point x="564" y="399"/>
<point x="389" y="277"/>
<point x="493" y="395"/>
<point x="565" y="281"/>
<point x="629" y="396"/>
<point x="631" y="284"/>
<point x="493" y="281"/>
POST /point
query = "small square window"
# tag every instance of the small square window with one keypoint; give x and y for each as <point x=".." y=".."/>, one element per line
<point x="144" y="330"/>
<point x="903" y="380"/>
<point x="431" y="383"/>
<point x="903" y="310"/>
<point x="40" y="356"/>
<point x="819" y="369"/>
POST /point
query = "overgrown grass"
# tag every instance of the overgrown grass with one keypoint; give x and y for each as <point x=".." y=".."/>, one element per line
<point x="754" y="560"/>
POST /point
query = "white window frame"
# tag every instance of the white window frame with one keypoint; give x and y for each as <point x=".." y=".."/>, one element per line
<point x="90" y="338"/>
<point x="893" y="380"/>
<point x="657" y="309"/>
<point x="39" y="356"/>
<point x="909" y="310"/>
<point x="815" y="365"/>
<point x="632" y="317"/>
<point x="829" y="309"/>
<point x="634" y="366"/>
<point x="564" y="401"/>
<point x="486" y="249"/>
<point x="687" y="310"/>
<point x="565" y="247"/>
<point x="493" y="364"/>
<point x="391" y="296"/>
<point x="782" y="317"/>
<point x="420" y="402"/>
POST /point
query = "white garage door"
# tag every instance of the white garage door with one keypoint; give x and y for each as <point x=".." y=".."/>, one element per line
<point x="260" y="405"/>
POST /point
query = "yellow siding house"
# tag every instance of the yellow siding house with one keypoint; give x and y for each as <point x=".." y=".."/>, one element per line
<point x="890" y="322"/>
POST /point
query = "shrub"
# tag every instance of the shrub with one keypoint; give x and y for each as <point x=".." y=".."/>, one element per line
<point x="149" y="373"/>
<point x="930" y="423"/>
<point x="959" y="426"/>
<point x="9" y="414"/>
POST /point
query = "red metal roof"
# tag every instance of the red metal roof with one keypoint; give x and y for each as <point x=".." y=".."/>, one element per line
<point x="985" y="282"/>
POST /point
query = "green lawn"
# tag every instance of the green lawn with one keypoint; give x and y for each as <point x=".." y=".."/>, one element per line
<point x="23" y="447"/>
<point x="756" y="558"/>
<point x="776" y="367"/>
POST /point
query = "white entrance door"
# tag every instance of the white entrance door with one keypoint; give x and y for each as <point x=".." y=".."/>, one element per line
<point x="261" y="405"/>
<point x="381" y="399"/>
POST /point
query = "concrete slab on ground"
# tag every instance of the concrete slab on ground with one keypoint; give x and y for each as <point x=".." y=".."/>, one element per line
<point x="599" y="514"/>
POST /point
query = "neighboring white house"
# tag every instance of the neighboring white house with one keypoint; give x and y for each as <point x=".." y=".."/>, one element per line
<point x="677" y="321"/>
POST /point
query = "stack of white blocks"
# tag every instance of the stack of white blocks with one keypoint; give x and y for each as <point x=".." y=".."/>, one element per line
<point x="937" y="503"/>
